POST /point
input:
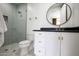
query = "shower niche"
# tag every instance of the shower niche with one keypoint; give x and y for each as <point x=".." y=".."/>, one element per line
<point x="5" y="19"/>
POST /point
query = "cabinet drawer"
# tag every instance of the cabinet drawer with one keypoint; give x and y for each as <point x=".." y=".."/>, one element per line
<point x="39" y="43"/>
<point x="39" y="51"/>
<point x="39" y="40"/>
<point x="39" y="35"/>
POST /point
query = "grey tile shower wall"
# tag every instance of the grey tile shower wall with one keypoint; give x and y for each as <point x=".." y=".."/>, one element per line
<point x="16" y="23"/>
<point x="20" y="24"/>
<point x="9" y="10"/>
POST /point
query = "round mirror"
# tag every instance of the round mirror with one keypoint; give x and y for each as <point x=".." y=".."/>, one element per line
<point x="58" y="14"/>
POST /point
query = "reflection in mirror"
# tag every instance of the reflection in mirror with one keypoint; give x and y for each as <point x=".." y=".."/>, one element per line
<point x="58" y="13"/>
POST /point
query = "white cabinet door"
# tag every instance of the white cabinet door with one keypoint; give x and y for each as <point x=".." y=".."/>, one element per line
<point x="70" y="44"/>
<point x="52" y="44"/>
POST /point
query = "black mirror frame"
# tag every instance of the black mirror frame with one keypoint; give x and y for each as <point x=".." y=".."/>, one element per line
<point x="67" y="19"/>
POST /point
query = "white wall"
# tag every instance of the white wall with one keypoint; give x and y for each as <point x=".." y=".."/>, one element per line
<point x="37" y="10"/>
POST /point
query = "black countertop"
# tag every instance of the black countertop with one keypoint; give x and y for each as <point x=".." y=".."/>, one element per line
<point x="66" y="29"/>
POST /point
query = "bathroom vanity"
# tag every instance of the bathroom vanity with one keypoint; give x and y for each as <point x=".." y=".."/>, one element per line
<point x="56" y="43"/>
<point x="60" y="41"/>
